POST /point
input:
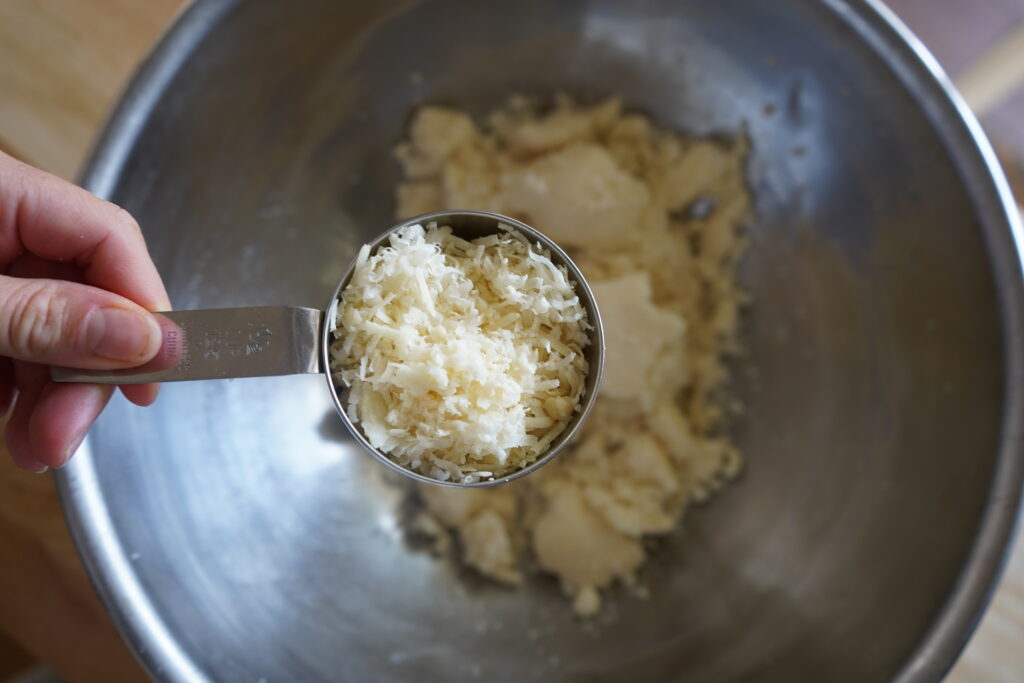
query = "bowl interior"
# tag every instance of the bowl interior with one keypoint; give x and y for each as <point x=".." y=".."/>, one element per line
<point x="270" y="546"/>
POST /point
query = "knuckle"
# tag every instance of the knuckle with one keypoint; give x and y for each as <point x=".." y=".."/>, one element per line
<point x="38" y="321"/>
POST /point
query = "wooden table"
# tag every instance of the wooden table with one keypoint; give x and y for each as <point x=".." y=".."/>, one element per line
<point x="62" y="65"/>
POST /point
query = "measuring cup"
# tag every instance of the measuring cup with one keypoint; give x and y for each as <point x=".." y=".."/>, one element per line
<point x="267" y="341"/>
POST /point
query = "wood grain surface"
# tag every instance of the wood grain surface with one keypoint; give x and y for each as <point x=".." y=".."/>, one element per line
<point x="62" y="65"/>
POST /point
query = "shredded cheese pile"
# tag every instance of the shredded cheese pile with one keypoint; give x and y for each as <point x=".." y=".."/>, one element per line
<point x="463" y="358"/>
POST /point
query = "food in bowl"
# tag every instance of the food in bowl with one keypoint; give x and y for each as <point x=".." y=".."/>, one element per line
<point x="463" y="358"/>
<point x="653" y="218"/>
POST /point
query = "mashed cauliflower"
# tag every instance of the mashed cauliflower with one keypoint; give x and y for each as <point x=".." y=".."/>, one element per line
<point x="653" y="220"/>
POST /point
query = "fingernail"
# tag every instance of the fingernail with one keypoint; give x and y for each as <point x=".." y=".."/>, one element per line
<point x="72" y="449"/>
<point x="121" y="335"/>
<point x="38" y="468"/>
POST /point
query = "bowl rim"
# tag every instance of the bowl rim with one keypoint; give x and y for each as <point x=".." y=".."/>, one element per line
<point x="152" y="642"/>
<point x="1000" y="219"/>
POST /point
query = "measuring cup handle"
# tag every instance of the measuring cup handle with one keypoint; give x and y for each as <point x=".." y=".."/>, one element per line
<point x="260" y="341"/>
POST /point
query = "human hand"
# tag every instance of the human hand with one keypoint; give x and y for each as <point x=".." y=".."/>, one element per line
<point x="77" y="287"/>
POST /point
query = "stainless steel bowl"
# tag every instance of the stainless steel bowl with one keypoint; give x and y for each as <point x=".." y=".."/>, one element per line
<point x="237" y="534"/>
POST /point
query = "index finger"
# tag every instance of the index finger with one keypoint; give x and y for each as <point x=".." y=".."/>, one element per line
<point x="59" y="221"/>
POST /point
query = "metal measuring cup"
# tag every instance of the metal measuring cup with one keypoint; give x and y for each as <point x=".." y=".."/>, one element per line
<point x="267" y="341"/>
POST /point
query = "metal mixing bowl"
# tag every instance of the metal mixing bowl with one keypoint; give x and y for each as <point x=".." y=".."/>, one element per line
<point x="237" y="534"/>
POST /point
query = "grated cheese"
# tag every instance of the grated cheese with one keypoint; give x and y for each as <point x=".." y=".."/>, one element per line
<point x="463" y="358"/>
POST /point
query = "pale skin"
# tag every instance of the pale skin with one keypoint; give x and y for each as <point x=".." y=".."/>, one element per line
<point x="77" y="289"/>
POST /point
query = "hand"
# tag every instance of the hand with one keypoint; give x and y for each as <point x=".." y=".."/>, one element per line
<point x="77" y="287"/>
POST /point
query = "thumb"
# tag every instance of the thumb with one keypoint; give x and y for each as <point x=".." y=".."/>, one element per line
<point x="55" y="322"/>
